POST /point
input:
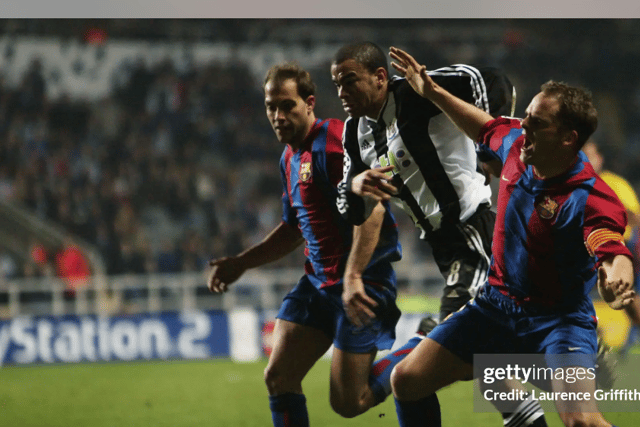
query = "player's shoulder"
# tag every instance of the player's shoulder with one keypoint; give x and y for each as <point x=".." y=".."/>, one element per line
<point x="501" y="126"/>
<point x="334" y="127"/>
<point x="330" y="140"/>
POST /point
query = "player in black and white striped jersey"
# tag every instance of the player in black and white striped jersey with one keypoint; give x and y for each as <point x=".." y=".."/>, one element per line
<point x="394" y="133"/>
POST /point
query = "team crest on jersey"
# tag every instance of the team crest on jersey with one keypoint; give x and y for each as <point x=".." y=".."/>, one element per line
<point x="305" y="171"/>
<point x="547" y="208"/>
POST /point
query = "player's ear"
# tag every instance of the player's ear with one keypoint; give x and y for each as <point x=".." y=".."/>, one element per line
<point x="311" y="103"/>
<point x="381" y="76"/>
<point x="571" y="138"/>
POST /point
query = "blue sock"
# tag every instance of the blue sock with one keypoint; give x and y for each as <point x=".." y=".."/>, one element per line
<point x="380" y="377"/>
<point x="421" y="413"/>
<point x="289" y="410"/>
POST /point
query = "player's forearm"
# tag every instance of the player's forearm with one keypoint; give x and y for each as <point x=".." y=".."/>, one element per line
<point x="467" y="117"/>
<point x="281" y="241"/>
<point x="365" y="240"/>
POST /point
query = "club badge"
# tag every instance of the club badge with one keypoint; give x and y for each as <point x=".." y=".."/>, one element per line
<point x="305" y="171"/>
<point x="547" y="208"/>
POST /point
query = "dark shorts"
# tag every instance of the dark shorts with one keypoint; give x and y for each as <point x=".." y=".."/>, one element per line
<point x="462" y="253"/>
<point x="322" y="309"/>
<point x="494" y="324"/>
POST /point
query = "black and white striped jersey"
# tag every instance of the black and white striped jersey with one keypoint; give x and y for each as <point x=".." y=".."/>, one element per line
<point x="435" y="164"/>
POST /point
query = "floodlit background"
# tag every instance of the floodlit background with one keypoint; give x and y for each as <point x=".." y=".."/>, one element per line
<point x="133" y="151"/>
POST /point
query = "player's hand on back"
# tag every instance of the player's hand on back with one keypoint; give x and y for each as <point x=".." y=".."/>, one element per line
<point x="224" y="271"/>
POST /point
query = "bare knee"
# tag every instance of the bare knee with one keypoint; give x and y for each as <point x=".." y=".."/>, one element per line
<point x="278" y="382"/>
<point x="349" y="406"/>
<point x="404" y="383"/>
<point x="344" y="409"/>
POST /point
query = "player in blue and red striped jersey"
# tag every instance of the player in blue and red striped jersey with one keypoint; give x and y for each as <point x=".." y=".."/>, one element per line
<point x="558" y="233"/>
<point x="312" y="317"/>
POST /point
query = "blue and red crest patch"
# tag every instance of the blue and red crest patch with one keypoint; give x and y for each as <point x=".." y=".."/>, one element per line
<point x="305" y="171"/>
<point x="547" y="208"/>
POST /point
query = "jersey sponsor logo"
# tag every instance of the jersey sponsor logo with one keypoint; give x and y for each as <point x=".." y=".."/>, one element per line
<point x="547" y="208"/>
<point x="365" y="145"/>
<point x="305" y="171"/>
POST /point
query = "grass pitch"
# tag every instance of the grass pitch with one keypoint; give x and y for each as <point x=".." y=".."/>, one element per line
<point x="216" y="393"/>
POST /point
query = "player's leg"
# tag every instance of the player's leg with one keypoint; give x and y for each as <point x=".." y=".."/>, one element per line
<point x="302" y="334"/>
<point x="464" y="262"/>
<point x="570" y="343"/>
<point x="380" y="375"/>
<point x="579" y="412"/>
<point x="415" y="380"/>
<point x="462" y="253"/>
<point x="356" y="385"/>
<point x="296" y="348"/>
<point x="443" y="358"/>
<point x="350" y="393"/>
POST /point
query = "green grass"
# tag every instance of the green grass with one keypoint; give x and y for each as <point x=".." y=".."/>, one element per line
<point x="216" y="393"/>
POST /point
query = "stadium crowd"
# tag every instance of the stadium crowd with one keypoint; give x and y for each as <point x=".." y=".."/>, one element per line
<point x="175" y="167"/>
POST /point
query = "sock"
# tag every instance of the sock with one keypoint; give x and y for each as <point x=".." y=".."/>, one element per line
<point x="380" y="377"/>
<point x="421" y="413"/>
<point x="289" y="410"/>
<point x="529" y="413"/>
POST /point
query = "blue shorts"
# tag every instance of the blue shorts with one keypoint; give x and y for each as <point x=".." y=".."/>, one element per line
<point x="494" y="324"/>
<point x="322" y="309"/>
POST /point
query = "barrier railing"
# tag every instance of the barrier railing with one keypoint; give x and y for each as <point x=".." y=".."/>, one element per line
<point x="262" y="288"/>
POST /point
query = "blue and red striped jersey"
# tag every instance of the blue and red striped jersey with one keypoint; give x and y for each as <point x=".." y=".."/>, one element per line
<point x="310" y="176"/>
<point x="552" y="234"/>
<point x="634" y="246"/>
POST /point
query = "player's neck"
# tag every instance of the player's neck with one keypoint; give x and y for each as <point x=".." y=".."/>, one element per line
<point x="297" y="144"/>
<point x="554" y="169"/>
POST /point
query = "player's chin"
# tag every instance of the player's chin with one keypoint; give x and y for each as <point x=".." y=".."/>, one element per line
<point x="352" y="111"/>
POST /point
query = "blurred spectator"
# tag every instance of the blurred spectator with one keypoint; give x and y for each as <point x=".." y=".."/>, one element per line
<point x="72" y="266"/>
<point x="8" y="266"/>
<point x="169" y="259"/>
<point x="176" y="156"/>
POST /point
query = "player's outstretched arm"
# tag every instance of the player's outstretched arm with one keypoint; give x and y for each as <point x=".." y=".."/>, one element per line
<point x="358" y="306"/>
<point x="465" y="116"/>
<point x="224" y="271"/>
<point x="615" y="282"/>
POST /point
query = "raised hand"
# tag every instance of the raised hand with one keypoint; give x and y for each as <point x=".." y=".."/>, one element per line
<point x="415" y="73"/>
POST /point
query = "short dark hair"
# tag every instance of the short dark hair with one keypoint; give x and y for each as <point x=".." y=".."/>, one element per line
<point x="291" y="70"/>
<point x="577" y="111"/>
<point x="366" y="53"/>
